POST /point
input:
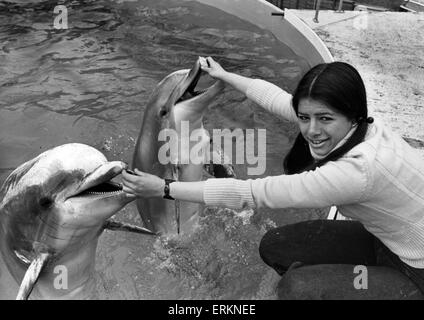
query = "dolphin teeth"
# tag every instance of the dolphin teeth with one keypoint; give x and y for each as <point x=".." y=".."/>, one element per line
<point x="196" y="93"/>
<point x="106" y="188"/>
<point x="101" y="193"/>
<point x="104" y="192"/>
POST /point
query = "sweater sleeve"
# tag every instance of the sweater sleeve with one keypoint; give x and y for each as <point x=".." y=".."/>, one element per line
<point x="228" y="192"/>
<point x="344" y="181"/>
<point x="272" y="98"/>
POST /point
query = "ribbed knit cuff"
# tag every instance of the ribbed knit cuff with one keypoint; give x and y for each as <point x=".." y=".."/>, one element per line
<point x="228" y="192"/>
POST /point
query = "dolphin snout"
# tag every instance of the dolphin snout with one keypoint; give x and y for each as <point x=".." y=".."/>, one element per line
<point x="119" y="166"/>
<point x="104" y="173"/>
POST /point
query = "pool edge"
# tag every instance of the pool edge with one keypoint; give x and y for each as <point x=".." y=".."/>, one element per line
<point x="289" y="29"/>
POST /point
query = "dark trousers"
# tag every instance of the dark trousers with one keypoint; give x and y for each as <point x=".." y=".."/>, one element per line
<point x="328" y="259"/>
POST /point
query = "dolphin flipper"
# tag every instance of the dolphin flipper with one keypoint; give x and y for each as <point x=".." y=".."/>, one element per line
<point x="31" y="276"/>
<point x="121" y="226"/>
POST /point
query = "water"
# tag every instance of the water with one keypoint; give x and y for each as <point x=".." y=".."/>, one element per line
<point x="90" y="84"/>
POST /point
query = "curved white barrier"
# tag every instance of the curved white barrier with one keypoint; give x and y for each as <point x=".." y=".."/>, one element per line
<point x="289" y="29"/>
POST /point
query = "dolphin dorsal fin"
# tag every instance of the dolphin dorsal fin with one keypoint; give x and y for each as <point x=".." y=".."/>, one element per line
<point x="32" y="275"/>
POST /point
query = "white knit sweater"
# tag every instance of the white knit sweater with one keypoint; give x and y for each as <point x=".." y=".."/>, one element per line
<point x="380" y="182"/>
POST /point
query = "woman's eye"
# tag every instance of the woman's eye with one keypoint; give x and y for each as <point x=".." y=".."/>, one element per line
<point x="325" y="119"/>
<point x="302" y="118"/>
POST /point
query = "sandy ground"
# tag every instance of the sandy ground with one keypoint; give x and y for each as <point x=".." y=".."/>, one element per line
<point x="388" y="50"/>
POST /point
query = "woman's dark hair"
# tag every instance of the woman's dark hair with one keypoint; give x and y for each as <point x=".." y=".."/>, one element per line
<point x="339" y="86"/>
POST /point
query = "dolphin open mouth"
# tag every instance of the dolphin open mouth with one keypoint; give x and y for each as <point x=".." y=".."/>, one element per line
<point x="190" y="92"/>
<point x="99" y="182"/>
<point x="191" y="82"/>
<point x="105" y="188"/>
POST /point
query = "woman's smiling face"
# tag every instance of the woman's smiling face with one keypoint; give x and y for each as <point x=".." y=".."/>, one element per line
<point x="322" y="127"/>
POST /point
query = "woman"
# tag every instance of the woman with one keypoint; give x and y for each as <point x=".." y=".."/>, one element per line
<point x="341" y="157"/>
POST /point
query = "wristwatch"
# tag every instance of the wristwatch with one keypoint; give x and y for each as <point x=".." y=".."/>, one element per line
<point x="166" y="189"/>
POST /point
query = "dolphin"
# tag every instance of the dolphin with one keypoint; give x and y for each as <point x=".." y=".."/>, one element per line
<point x="173" y="104"/>
<point x="53" y="209"/>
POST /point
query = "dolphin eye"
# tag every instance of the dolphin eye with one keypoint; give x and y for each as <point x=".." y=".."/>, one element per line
<point x="45" y="202"/>
<point x="163" y="113"/>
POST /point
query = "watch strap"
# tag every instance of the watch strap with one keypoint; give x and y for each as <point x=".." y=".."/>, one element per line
<point x="166" y="189"/>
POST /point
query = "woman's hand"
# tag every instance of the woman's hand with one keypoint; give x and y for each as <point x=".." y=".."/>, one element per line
<point x="213" y="68"/>
<point x="142" y="184"/>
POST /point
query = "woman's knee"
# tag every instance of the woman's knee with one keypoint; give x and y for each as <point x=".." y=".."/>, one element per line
<point x="276" y="247"/>
<point x="317" y="242"/>
<point x="271" y="248"/>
